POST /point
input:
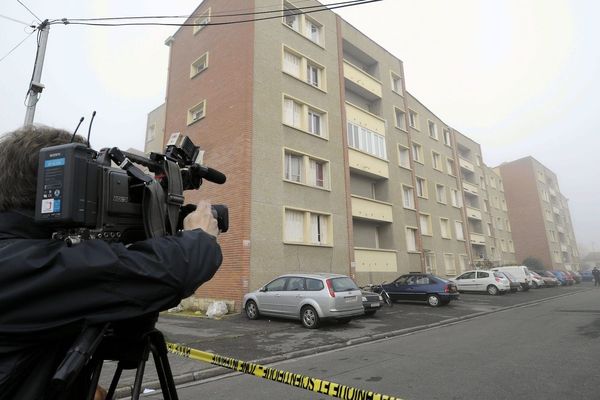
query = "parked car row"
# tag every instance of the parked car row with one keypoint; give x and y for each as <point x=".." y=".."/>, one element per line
<point x="314" y="297"/>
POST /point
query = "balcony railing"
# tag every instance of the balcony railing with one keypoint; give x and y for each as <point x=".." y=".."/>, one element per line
<point x="370" y="209"/>
<point x="362" y="80"/>
<point x="477" y="239"/>
<point x="552" y="191"/>
<point x="473" y="213"/>
<point x="470" y="188"/>
<point x="468" y="165"/>
<point x="368" y="165"/>
<point x="365" y="119"/>
<point x="560" y="229"/>
<point x="555" y="210"/>
<point x="564" y="247"/>
<point x="375" y="260"/>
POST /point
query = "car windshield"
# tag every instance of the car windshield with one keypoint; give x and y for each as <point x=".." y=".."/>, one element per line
<point x="343" y="284"/>
<point x="502" y="275"/>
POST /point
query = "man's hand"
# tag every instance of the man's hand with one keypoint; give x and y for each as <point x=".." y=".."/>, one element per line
<point x="202" y="218"/>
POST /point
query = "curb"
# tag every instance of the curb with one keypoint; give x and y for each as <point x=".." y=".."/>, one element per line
<point x="125" y="391"/>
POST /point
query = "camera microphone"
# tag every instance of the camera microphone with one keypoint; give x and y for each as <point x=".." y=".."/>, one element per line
<point x="210" y="174"/>
<point x="90" y="128"/>
<point x="76" y="129"/>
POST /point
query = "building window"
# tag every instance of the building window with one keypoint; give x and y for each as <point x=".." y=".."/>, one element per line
<point x="504" y="208"/>
<point x="408" y="197"/>
<point x="150" y="133"/>
<point x="430" y="266"/>
<point x="463" y="260"/>
<point x="489" y="229"/>
<point x="445" y="228"/>
<point x="411" y="239"/>
<point x="433" y="133"/>
<point x="422" y="187"/>
<point x="404" y="156"/>
<point x="202" y="20"/>
<point x="450" y="167"/>
<point x="493" y="182"/>
<point x="455" y="198"/>
<point x="306" y="26"/>
<point x="199" y="65"/>
<point x="449" y="264"/>
<point x="396" y="83"/>
<point x="447" y="139"/>
<point x="196" y="113"/>
<point x="304" y="117"/>
<point x="508" y="226"/>
<point x="440" y="193"/>
<point x="436" y="160"/>
<point x="303" y="68"/>
<point x="307" y="170"/>
<point x="503" y="245"/>
<point x="400" y="119"/>
<point x="511" y="246"/>
<point x="460" y="233"/>
<point x="417" y="152"/>
<point x="306" y="227"/>
<point x="425" y="223"/>
<point x="412" y="119"/>
<point x="366" y="140"/>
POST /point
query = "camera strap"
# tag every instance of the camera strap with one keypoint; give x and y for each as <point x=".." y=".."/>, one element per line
<point x="174" y="196"/>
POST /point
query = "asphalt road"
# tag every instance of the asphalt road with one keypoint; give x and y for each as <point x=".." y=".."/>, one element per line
<point x="548" y="350"/>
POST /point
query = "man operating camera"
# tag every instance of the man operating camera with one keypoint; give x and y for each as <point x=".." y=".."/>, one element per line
<point x="49" y="292"/>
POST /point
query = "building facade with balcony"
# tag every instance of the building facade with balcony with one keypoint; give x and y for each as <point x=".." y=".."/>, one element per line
<point x="539" y="214"/>
<point x="331" y="164"/>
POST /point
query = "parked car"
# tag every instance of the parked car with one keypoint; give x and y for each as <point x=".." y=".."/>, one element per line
<point x="521" y="272"/>
<point x="310" y="298"/>
<point x="536" y="280"/>
<point x="371" y="302"/>
<point x="514" y="284"/>
<point x="586" y="276"/>
<point x="563" y="278"/>
<point x="549" y="278"/>
<point x="418" y="286"/>
<point x="576" y="276"/>
<point x="492" y="282"/>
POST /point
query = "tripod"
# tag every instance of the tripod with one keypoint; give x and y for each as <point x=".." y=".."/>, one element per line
<point x="130" y="343"/>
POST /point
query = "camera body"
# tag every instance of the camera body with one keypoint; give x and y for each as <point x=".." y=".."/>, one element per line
<point x="84" y="195"/>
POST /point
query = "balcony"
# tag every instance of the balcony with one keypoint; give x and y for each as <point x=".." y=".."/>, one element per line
<point x="552" y="191"/>
<point x="468" y="165"/>
<point x="473" y="213"/>
<point x="375" y="260"/>
<point x="560" y="229"/>
<point x="365" y="119"/>
<point x="370" y="166"/>
<point x="470" y="188"/>
<point x="564" y="248"/>
<point x="477" y="239"/>
<point x="370" y="209"/>
<point x="361" y="82"/>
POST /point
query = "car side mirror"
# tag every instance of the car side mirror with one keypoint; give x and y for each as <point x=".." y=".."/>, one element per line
<point x="262" y="289"/>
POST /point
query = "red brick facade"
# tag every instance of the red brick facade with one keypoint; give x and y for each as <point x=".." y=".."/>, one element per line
<point x="225" y="133"/>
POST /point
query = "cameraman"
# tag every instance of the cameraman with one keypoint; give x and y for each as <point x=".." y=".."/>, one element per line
<point x="50" y="292"/>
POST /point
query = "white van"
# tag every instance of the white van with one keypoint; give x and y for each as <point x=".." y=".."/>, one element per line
<point x="521" y="272"/>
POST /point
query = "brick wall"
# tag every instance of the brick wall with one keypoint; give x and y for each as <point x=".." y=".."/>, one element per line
<point x="225" y="133"/>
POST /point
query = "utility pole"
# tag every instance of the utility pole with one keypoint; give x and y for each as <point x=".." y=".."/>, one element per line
<point x="36" y="86"/>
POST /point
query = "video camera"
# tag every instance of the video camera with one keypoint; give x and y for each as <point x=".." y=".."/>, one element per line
<point x="84" y="196"/>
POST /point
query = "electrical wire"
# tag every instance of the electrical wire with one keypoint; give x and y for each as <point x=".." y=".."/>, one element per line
<point x="31" y="12"/>
<point x="217" y="15"/>
<point x="14" y="48"/>
<point x="66" y="21"/>
<point x="14" y="20"/>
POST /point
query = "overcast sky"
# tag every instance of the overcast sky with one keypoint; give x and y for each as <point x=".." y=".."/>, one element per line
<point x="519" y="77"/>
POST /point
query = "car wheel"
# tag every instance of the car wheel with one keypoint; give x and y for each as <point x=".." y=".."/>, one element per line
<point x="445" y="302"/>
<point x="344" y="321"/>
<point x="433" y="300"/>
<point x="310" y="318"/>
<point x="535" y="285"/>
<point x="251" y="310"/>
<point x="493" y="290"/>
<point x="370" y="312"/>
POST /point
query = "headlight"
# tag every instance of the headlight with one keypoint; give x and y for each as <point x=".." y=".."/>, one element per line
<point x="364" y="298"/>
<point x="380" y="298"/>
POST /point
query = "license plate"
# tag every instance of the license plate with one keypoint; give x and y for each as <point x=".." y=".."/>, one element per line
<point x="374" y="304"/>
<point x="350" y="299"/>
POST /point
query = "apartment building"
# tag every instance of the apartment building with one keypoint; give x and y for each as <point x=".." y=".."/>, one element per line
<point x="331" y="164"/>
<point x="155" y="130"/>
<point x="539" y="214"/>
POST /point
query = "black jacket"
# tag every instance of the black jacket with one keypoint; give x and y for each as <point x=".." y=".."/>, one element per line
<point x="49" y="291"/>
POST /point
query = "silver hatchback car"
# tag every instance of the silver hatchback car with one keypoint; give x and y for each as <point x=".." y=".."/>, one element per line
<point x="307" y="297"/>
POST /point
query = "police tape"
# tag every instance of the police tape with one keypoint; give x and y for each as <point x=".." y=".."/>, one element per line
<point x="289" y="378"/>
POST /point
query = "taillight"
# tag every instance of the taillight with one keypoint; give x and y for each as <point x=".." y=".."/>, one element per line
<point x="330" y="287"/>
<point x="447" y="288"/>
<point x="498" y="279"/>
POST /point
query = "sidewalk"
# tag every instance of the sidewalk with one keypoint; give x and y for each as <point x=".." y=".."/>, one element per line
<point x="270" y="340"/>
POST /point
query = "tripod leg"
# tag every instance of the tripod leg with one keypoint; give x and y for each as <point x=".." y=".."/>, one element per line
<point x="159" y="352"/>
<point x="139" y="374"/>
<point x="95" y="379"/>
<point x="114" y="382"/>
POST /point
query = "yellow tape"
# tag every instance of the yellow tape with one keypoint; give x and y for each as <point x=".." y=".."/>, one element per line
<point x="289" y="378"/>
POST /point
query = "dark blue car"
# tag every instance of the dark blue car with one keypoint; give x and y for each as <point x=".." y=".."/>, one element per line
<point x="434" y="290"/>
